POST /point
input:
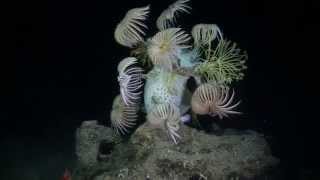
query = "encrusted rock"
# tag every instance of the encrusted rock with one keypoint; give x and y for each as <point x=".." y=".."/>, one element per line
<point x="150" y="154"/>
<point x="88" y="139"/>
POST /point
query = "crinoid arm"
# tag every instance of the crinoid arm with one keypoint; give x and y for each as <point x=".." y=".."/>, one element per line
<point x="130" y="81"/>
<point x="167" y="19"/>
<point x="165" y="46"/>
<point x="204" y="34"/>
<point x="213" y="100"/>
<point x="123" y="117"/>
<point x="130" y="30"/>
<point x="166" y="116"/>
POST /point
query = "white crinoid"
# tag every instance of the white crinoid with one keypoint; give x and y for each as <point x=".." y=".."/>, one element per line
<point x="129" y="31"/>
<point x="213" y="100"/>
<point x="166" y="116"/>
<point x="204" y="34"/>
<point x="130" y="80"/>
<point x="123" y="116"/>
<point x="165" y="46"/>
<point x="167" y="18"/>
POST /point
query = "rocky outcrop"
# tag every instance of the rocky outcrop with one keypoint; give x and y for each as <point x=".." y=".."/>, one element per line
<point x="88" y="139"/>
<point x="150" y="154"/>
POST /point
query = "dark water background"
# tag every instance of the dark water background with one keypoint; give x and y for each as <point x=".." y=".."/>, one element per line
<point x="64" y="72"/>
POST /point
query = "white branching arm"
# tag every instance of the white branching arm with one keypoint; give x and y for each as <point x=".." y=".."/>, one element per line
<point x="130" y="31"/>
<point x="167" y="18"/>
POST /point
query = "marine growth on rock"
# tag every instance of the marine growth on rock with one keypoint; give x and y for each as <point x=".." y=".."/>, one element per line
<point x="153" y="80"/>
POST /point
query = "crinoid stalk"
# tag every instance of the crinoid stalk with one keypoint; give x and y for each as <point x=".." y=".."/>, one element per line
<point x="160" y="66"/>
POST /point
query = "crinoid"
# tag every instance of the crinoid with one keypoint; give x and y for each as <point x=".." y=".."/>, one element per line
<point x="130" y="81"/>
<point x="166" y="116"/>
<point x="129" y="31"/>
<point x="223" y="64"/>
<point x="213" y="100"/>
<point x="165" y="46"/>
<point x="205" y="34"/>
<point x="123" y="117"/>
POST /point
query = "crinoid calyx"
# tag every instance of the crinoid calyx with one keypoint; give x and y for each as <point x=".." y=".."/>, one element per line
<point x="213" y="100"/>
<point x="123" y="117"/>
<point x="166" y="116"/>
<point x="165" y="46"/>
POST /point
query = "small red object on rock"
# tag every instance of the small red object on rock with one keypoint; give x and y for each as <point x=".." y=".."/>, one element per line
<point x="66" y="175"/>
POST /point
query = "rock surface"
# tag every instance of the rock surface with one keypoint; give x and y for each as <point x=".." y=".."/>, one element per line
<point x="150" y="154"/>
<point x="88" y="139"/>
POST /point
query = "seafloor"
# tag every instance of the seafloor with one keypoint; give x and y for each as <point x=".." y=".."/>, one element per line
<point x="37" y="158"/>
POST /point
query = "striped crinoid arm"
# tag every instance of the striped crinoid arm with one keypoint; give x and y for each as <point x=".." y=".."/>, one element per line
<point x="164" y="47"/>
<point x="213" y="100"/>
<point x="130" y="81"/>
<point x="166" y="116"/>
<point x="204" y="34"/>
<point x="123" y="117"/>
<point x="130" y="30"/>
<point x="167" y="18"/>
